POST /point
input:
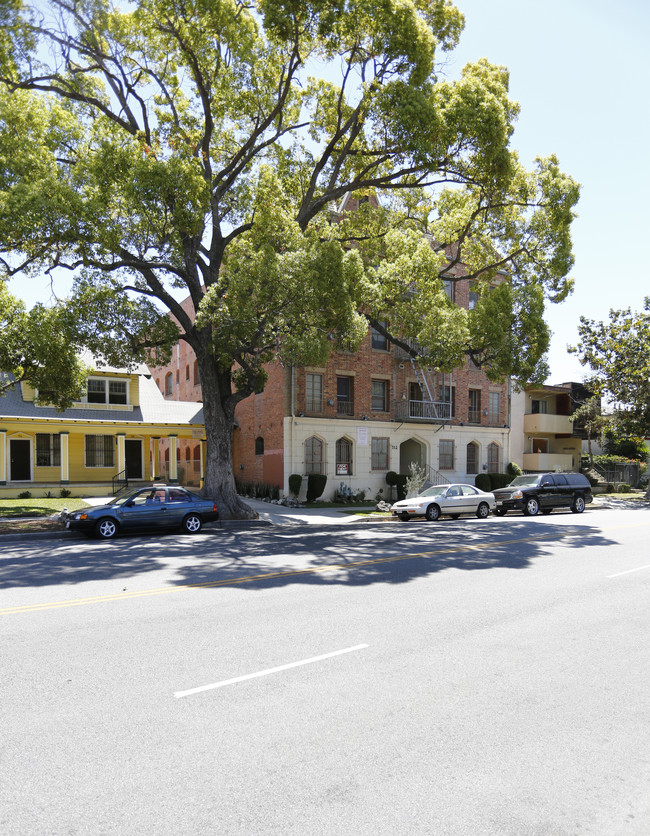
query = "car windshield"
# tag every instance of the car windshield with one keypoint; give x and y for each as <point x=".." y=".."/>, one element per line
<point x="435" y="490"/>
<point x="524" y="480"/>
<point x="125" y="497"/>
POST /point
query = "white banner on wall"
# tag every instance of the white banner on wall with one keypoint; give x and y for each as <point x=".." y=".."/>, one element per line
<point x="362" y="436"/>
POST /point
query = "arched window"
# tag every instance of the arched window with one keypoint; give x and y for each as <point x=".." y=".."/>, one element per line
<point x="196" y="373"/>
<point x="493" y="458"/>
<point x="169" y="384"/>
<point x="314" y="456"/>
<point x="472" y="458"/>
<point x="343" y="457"/>
<point x="259" y="446"/>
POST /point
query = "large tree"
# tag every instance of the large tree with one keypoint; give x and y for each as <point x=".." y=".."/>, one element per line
<point x="38" y="347"/>
<point x="164" y="148"/>
<point x="617" y="354"/>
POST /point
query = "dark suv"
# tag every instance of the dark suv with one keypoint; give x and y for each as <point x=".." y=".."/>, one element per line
<point x="543" y="492"/>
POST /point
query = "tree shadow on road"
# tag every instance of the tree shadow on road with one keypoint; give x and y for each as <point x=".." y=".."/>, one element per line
<point x="265" y="558"/>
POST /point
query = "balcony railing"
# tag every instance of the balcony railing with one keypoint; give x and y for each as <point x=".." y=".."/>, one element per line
<point x="474" y="416"/>
<point x="422" y="410"/>
<point x="345" y="408"/>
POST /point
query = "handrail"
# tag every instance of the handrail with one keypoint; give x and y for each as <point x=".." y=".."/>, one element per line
<point x="122" y="480"/>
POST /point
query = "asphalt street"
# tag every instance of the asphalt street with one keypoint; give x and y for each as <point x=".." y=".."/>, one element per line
<point x="460" y="678"/>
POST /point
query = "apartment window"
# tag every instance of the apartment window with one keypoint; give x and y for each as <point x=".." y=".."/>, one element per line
<point x="448" y="287"/>
<point x="539" y="407"/>
<point x="259" y="446"/>
<point x="344" y="396"/>
<point x="343" y="457"/>
<point x="474" y="416"/>
<point x="187" y="372"/>
<point x="48" y="450"/>
<point x="379" y="454"/>
<point x="379" y="341"/>
<point x="380" y="396"/>
<point x="314" y="455"/>
<point x="100" y="451"/>
<point x="178" y="377"/>
<point x="105" y="391"/>
<point x="197" y="378"/>
<point x="473" y="295"/>
<point x="446" y="455"/>
<point x="447" y="395"/>
<point x="472" y="458"/>
<point x="314" y="393"/>
<point x="495" y="407"/>
<point x="169" y="384"/>
<point x="493" y="458"/>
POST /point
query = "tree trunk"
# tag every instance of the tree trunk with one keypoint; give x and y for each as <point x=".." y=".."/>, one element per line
<point x="219" y="479"/>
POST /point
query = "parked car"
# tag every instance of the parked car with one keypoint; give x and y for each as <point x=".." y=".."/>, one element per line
<point x="544" y="492"/>
<point x="445" y="500"/>
<point x="154" y="507"/>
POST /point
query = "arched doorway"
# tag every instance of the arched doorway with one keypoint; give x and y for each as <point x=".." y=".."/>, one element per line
<point x="411" y="451"/>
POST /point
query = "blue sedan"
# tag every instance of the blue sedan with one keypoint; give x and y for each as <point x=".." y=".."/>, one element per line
<point x="155" y="507"/>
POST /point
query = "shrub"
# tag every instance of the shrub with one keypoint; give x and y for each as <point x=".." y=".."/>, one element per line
<point x="315" y="485"/>
<point x="391" y="478"/>
<point x="415" y="479"/>
<point x="513" y="470"/>
<point x="400" y="484"/>
<point x="610" y="488"/>
<point x="25" y="495"/>
<point x="622" y="487"/>
<point x="295" y="482"/>
<point x="499" y="480"/>
<point x="65" y="492"/>
<point x="483" y="482"/>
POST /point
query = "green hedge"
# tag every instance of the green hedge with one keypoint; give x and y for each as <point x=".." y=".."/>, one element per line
<point x="401" y="485"/>
<point x="295" y="481"/>
<point x="492" y="481"/>
<point x="483" y="482"/>
<point x="315" y="485"/>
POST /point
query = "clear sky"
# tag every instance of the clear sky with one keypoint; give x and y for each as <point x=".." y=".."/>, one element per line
<point x="580" y="70"/>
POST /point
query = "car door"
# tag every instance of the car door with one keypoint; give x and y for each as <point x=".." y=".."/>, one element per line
<point x="471" y="499"/>
<point x="179" y="504"/>
<point x="547" y="492"/>
<point x="562" y="491"/>
<point x="140" y="511"/>
<point x="453" y="500"/>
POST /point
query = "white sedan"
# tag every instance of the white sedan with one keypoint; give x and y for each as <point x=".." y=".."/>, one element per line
<point x="447" y="500"/>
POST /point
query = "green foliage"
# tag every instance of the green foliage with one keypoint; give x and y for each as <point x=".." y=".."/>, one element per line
<point x="483" y="482"/>
<point x="295" y="482"/>
<point x="24" y="495"/>
<point x="391" y="478"/>
<point x="617" y="354"/>
<point x="627" y="448"/>
<point x="415" y="479"/>
<point x="513" y="470"/>
<point x="39" y="347"/>
<point x="400" y="485"/>
<point x="163" y="149"/>
<point x="65" y="492"/>
<point x="499" y="480"/>
<point x="622" y="487"/>
<point x="257" y="490"/>
<point x="315" y="485"/>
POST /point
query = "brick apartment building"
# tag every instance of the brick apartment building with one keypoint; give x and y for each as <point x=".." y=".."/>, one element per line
<point x="359" y="416"/>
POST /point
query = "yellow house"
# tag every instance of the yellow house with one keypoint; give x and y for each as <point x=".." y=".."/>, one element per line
<point x="121" y="431"/>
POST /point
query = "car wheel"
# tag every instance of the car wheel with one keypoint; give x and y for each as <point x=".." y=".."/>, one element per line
<point x="192" y="523"/>
<point x="500" y="512"/>
<point x="432" y="513"/>
<point x="106" y="528"/>
<point x="531" y="508"/>
<point x="483" y="510"/>
<point x="578" y="505"/>
<point x="404" y="517"/>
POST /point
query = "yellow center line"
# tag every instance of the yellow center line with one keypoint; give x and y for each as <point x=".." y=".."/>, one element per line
<point x="314" y="570"/>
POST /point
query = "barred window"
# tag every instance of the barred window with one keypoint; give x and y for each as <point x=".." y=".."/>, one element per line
<point x="493" y="458"/>
<point x="472" y="458"/>
<point x="343" y="457"/>
<point x="314" y="393"/>
<point x="48" y="450"/>
<point x="314" y="455"/>
<point x="259" y="446"/>
<point x="446" y="455"/>
<point x="379" y="453"/>
<point x="100" y="451"/>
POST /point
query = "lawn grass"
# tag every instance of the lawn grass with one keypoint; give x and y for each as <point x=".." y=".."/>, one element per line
<point x="38" y="506"/>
